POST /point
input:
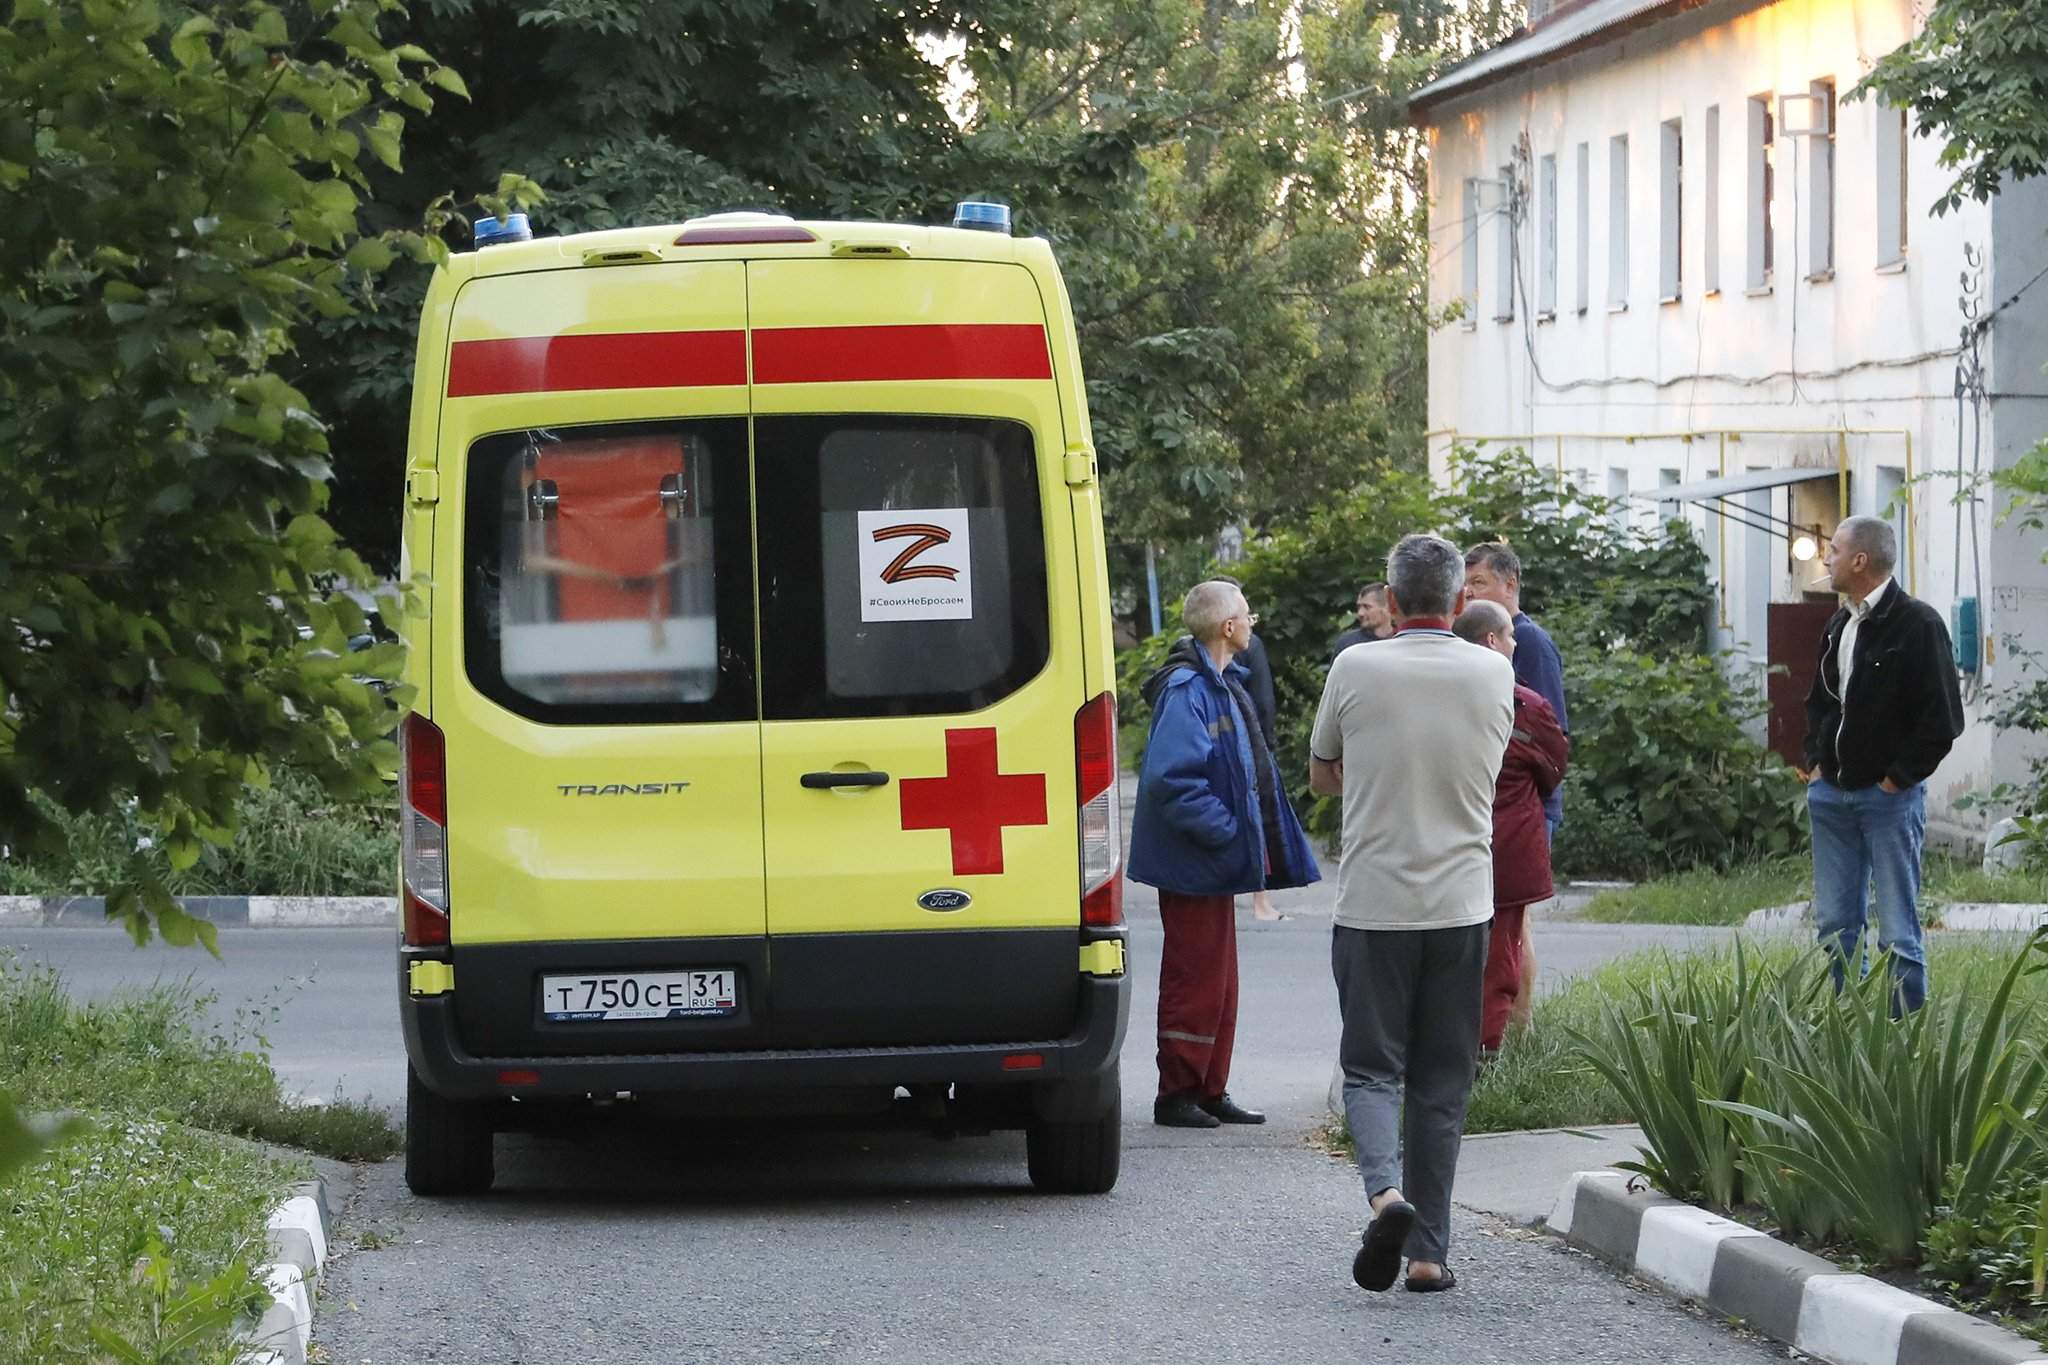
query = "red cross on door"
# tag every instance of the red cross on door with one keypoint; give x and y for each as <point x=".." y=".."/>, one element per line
<point x="973" y="801"/>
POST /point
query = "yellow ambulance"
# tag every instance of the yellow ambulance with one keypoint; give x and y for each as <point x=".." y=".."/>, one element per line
<point x="764" y="757"/>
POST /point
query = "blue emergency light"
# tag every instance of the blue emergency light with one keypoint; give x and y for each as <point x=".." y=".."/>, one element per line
<point x="978" y="215"/>
<point x="491" y="232"/>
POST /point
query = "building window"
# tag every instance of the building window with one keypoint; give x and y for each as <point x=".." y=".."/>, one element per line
<point x="1468" y="254"/>
<point x="1892" y="505"/>
<point x="1669" y="510"/>
<point x="1671" y="210"/>
<point x="1617" y="221"/>
<point x="1821" y="241"/>
<point x="1546" y="232"/>
<point x="1891" y="185"/>
<point x="1504" y="250"/>
<point x="1763" y="177"/>
<point x="1582" y="284"/>
<point x="1710" y="201"/>
<point x="1617" y="498"/>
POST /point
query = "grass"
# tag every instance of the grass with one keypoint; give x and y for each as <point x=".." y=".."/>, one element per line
<point x="75" y="1225"/>
<point x="146" y="1054"/>
<point x="144" y="1228"/>
<point x="1538" y="1081"/>
<point x="1702" y="896"/>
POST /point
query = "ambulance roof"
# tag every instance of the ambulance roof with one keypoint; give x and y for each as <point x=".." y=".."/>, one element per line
<point x="637" y="245"/>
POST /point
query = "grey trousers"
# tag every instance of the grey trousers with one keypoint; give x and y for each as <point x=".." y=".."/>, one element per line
<point x="1410" y="1000"/>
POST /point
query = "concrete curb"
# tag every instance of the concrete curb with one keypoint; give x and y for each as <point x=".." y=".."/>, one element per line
<point x="231" y="912"/>
<point x="1780" y="1291"/>
<point x="297" y="1237"/>
<point x="1981" y="917"/>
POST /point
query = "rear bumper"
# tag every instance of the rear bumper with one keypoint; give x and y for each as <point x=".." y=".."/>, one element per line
<point x="434" y="1043"/>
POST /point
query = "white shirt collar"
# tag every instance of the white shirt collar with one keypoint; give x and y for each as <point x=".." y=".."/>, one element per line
<point x="1870" y="600"/>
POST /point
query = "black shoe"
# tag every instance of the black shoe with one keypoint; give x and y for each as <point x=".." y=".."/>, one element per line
<point x="1228" y="1110"/>
<point x="1378" y="1262"/>
<point x="1435" y="1284"/>
<point x="1181" y="1111"/>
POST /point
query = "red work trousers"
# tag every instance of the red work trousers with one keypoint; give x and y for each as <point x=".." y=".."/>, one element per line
<point x="1197" y="993"/>
<point x="1503" y="976"/>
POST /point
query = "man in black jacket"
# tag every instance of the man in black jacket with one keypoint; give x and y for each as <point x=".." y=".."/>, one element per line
<point x="1882" y="713"/>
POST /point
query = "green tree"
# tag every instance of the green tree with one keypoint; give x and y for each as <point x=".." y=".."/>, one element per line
<point x="1233" y="188"/>
<point x="1975" y="76"/>
<point x="654" y="111"/>
<point x="1253" y="316"/>
<point x="181" y="186"/>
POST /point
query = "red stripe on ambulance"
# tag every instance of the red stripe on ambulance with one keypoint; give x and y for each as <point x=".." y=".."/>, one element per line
<point x="607" y="360"/>
<point x="853" y="355"/>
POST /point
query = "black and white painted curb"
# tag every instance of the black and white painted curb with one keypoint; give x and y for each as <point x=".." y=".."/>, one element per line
<point x="237" y="912"/>
<point x="1778" y="1290"/>
<point x="297" y="1239"/>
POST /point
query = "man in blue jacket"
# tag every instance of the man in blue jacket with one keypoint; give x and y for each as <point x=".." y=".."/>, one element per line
<point x="1212" y="823"/>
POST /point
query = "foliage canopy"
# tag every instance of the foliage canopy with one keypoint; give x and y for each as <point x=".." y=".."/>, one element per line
<point x="182" y="186"/>
<point x="1975" y="76"/>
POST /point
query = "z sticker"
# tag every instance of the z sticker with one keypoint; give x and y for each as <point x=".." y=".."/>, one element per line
<point x="914" y="565"/>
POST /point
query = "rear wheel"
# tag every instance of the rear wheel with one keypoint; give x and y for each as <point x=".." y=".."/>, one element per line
<point x="448" y="1143"/>
<point x="1079" y="1156"/>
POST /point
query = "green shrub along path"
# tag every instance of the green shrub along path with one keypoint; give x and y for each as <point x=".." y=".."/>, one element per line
<point x="291" y="839"/>
<point x="1897" y="1144"/>
<point x="1703" y="896"/>
<point x="1662" y="774"/>
<point x="144" y="1226"/>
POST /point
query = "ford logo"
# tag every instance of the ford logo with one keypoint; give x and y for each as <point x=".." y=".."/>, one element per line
<point x="945" y="898"/>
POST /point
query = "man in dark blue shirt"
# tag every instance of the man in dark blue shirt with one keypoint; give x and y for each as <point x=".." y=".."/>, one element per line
<point x="1493" y="573"/>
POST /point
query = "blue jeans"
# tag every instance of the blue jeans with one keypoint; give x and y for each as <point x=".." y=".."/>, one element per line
<point x="1864" y="838"/>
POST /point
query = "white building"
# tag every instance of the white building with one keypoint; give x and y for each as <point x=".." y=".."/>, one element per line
<point x="1682" y="258"/>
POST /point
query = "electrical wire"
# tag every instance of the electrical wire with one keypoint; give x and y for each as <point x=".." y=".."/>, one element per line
<point x="1696" y="377"/>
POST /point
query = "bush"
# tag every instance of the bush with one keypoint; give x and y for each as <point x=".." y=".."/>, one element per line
<point x="292" y="839"/>
<point x="1755" y="1082"/>
<point x="1599" y="840"/>
<point x="1662" y="775"/>
<point x="1658" y="743"/>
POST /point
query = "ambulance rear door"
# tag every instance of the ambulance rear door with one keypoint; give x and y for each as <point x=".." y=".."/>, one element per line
<point x="603" y="741"/>
<point x="921" y="663"/>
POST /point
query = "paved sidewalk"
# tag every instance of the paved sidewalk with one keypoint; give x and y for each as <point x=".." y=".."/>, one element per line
<point x="1517" y="1176"/>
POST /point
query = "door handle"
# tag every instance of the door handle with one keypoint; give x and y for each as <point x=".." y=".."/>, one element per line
<point x="819" y="781"/>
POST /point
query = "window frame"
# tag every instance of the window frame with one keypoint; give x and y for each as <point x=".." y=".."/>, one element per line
<point x="483" y="527"/>
<point x="781" y="622"/>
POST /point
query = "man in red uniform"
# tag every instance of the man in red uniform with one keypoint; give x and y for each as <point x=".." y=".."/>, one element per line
<point x="1212" y="822"/>
<point x="1534" y="765"/>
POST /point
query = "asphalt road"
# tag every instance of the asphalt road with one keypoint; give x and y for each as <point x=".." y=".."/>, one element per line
<point x="325" y="1000"/>
<point x="627" y="1240"/>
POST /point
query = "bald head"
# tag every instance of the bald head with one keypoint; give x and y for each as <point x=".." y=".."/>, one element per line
<point x="1488" y="624"/>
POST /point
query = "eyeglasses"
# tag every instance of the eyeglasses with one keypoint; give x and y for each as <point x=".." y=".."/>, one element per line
<point x="1251" y="618"/>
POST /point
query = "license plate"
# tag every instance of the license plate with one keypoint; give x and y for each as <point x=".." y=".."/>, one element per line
<point x="706" y="993"/>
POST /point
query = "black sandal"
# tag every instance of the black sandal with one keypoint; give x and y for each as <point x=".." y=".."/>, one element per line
<point x="1378" y="1262"/>
<point x="1435" y="1284"/>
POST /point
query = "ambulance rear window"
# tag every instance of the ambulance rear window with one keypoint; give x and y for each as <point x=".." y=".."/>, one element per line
<point x="902" y="564"/>
<point x="606" y="572"/>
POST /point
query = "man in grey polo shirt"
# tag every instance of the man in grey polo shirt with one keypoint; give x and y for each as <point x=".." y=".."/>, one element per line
<point x="1411" y="735"/>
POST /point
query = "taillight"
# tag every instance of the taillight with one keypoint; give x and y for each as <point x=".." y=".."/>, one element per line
<point x="1102" y="845"/>
<point x="423" y="831"/>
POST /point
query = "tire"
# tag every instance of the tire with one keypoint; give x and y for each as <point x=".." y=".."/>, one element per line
<point x="1081" y="1157"/>
<point x="448" y="1143"/>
